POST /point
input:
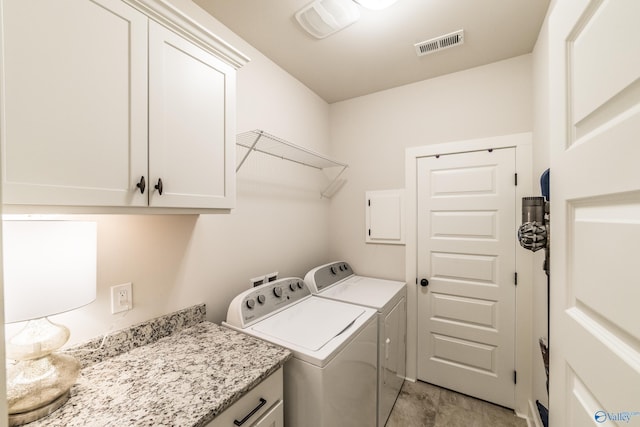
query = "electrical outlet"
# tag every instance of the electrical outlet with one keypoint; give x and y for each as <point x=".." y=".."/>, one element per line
<point x="271" y="277"/>
<point x="260" y="280"/>
<point x="256" y="281"/>
<point x="121" y="298"/>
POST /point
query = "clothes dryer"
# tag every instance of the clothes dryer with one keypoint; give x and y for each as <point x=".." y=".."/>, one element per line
<point x="337" y="281"/>
<point x="331" y="379"/>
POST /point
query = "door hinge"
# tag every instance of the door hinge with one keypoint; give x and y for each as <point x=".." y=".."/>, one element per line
<point x="515" y="377"/>
<point x="515" y="278"/>
<point x="515" y="179"/>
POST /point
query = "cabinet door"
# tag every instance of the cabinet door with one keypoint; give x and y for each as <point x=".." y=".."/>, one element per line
<point x="273" y="418"/>
<point x="191" y="124"/>
<point x="75" y="102"/>
<point x="393" y="364"/>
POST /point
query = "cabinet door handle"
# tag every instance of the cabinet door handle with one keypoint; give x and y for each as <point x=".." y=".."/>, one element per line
<point x="142" y="184"/>
<point x="158" y="186"/>
<point x="250" y="414"/>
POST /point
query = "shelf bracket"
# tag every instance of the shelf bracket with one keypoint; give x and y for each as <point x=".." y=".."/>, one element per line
<point x="253" y="146"/>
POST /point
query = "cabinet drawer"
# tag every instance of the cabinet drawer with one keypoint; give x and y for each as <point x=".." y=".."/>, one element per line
<point x="269" y="390"/>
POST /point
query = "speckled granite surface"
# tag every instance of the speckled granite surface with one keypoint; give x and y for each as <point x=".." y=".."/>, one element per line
<point x="185" y="379"/>
<point x="144" y="333"/>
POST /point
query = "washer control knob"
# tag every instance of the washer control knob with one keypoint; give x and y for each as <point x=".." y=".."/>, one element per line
<point x="261" y="299"/>
<point x="251" y="303"/>
<point x="292" y="286"/>
<point x="333" y="271"/>
<point x="300" y="285"/>
<point x="277" y="291"/>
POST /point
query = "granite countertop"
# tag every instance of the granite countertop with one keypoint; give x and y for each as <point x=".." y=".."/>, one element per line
<point x="184" y="379"/>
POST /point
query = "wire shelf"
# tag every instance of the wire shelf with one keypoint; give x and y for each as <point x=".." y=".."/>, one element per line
<point x="262" y="142"/>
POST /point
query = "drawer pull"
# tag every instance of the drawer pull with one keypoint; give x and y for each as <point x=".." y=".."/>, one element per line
<point x="250" y="414"/>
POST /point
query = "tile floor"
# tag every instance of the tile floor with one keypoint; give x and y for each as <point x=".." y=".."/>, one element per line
<point x="424" y="405"/>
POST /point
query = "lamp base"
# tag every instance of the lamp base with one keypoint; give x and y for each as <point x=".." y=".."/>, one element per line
<point x="38" y="382"/>
<point x="35" y="414"/>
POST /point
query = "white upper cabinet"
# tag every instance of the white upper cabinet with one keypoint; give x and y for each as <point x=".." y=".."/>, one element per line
<point x="75" y="102"/>
<point x="99" y="99"/>
<point x="190" y="113"/>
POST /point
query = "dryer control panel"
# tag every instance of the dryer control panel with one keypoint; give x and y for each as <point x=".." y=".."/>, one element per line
<point x="326" y="275"/>
<point x="264" y="300"/>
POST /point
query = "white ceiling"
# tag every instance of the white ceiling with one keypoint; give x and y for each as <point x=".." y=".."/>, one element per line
<point x="377" y="52"/>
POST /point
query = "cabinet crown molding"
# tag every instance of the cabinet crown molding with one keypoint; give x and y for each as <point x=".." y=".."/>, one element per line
<point x="170" y="16"/>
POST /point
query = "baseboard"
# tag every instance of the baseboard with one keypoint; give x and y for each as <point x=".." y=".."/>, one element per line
<point x="533" y="417"/>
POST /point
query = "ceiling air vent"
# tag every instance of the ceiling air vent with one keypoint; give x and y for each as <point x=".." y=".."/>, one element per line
<point x="439" y="43"/>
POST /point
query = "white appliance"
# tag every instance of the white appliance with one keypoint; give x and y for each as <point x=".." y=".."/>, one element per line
<point x="336" y="281"/>
<point x="331" y="379"/>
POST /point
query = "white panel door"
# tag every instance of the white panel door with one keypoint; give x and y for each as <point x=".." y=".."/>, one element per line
<point x="595" y="213"/>
<point x="74" y="102"/>
<point x="466" y="251"/>
<point x="191" y="124"/>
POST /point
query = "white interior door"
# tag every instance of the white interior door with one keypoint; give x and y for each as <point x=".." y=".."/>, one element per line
<point x="595" y="213"/>
<point x="466" y="250"/>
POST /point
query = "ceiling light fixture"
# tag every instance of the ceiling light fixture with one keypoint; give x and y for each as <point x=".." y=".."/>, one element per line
<point x="375" y="4"/>
<point x="322" y="18"/>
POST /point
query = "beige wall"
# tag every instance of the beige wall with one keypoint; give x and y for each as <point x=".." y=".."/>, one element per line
<point x="370" y="133"/>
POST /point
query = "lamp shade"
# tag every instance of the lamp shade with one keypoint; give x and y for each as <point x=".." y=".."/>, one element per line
<point x="49" y="267"/>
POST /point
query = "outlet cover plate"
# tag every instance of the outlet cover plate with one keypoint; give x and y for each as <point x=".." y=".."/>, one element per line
<point x="121" y="298"/>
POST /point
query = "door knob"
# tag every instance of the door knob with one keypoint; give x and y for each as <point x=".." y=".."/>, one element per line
<point x="424" y="282"/>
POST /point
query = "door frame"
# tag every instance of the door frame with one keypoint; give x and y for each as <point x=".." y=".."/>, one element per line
<point x="524" y="340"/>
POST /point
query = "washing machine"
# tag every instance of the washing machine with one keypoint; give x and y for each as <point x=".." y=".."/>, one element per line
<point x="331" y="379"/>
<point x="336" y="281"/>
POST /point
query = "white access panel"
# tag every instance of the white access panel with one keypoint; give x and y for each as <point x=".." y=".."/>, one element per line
<point x="385" y="217"/>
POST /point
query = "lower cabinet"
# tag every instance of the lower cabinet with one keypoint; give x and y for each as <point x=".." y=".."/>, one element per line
<point x="261" y="407"/>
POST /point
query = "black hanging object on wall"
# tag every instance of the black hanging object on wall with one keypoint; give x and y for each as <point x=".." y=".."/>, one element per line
<point x="544" y="185"/>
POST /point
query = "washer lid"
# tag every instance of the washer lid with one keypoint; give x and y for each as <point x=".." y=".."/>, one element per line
<point x="310" y="324"/>
<point x="367" y="291"/>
